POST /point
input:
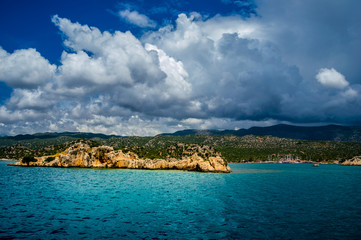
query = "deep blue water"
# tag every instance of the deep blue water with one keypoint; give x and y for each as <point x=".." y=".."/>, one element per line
<point x="256" y="201"/>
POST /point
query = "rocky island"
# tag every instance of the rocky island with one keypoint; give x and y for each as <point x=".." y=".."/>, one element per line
<point x="81" y="155"/>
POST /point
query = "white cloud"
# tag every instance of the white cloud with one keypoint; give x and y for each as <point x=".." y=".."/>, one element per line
<point x="12" y="118"/>
<point x="30" y="99"/>
<point x="219" y="25"/>
<point x="120" y="69"/>
<point x="104" y="80"/>
<point x="25" y="68"/>
<point x="331" y="78"/>
<point x="232" y="75"/>
<point x="221" y="72"/>
<point x="239" y="70"/>
<point x="176" y="74"/>
<point x="136" y="18"/>
<point x="312" y="38"/>
<point x="116" y="59"/>
<point x="350" y="93"/>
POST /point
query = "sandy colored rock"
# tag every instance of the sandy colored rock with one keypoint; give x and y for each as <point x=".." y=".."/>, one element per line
<point x="355" y="161"/>
<point x="81" y="155"/>
<point x="218" y="164"/>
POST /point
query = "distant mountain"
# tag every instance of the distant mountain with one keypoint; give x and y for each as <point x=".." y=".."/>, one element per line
<point x="325" y="133"/>
<point x="50" y="135"/>
<point x="197" y="132"/>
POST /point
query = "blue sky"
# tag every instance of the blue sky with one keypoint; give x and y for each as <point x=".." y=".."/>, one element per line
<point x="146" y="67"/>
<point x="27" y="24"/>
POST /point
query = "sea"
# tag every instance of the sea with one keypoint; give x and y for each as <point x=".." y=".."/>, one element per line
<point x="255" y="201"/>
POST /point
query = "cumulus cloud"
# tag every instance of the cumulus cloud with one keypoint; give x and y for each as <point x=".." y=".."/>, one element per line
<point x="312" y="38"/>
<point x="30" y="99"/>
<point x="104" y="76"/>
<point x="116" y="59"/>
<point x="239" y="69"/>
<point x="136" y="18"/>
<point x="12" y="118"/>
<point x="331" y="78"/>
<point x="25" y="68"/>
<point x="118" y="65"/>
<point x="220" y="72"/>
<point x="176" y="74"/>
<point x="350" y="93"/>
<point x="232" y="75"/>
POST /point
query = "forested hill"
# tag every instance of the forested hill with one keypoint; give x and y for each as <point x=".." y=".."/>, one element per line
<point x="50" y="135"/>
<point x="233" y="148"/>
<point x="322" y="133"/>
<point x="39" y="140"/>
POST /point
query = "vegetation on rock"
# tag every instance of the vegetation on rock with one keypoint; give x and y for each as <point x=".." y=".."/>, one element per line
<point x="28" y="159"/>
<point x="80" y="154"/>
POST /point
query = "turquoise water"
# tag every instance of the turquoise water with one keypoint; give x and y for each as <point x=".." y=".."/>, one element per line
<point x="256" y="201"/>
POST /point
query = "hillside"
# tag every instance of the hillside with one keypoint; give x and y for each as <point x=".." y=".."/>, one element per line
<point x="321" y="133"/>
<point x="50" y="135"/>
<point x="232" y="148"/>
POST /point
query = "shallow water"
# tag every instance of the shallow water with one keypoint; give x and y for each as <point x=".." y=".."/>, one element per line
<point x="255" y="201"/>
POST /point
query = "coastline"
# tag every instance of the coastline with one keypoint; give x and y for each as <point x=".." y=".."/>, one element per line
<point x="294" y="162"/>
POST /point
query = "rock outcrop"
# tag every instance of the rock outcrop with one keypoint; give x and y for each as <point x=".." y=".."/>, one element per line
<point x="355" y="161"/>
<point x="81" y="155"/>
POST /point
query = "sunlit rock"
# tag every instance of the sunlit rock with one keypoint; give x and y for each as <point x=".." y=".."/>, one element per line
<point x="82" y="155"/>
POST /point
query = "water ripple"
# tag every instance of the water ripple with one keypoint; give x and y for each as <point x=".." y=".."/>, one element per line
<point x="256" y="201"/>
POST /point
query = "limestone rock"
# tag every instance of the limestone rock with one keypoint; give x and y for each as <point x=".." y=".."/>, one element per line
<point x="99" y="156"/>
<point x="355" y="161"/>
<point x="76" y="156"/>
<point x="81" y="155"/>
<point x="218" y="164"/>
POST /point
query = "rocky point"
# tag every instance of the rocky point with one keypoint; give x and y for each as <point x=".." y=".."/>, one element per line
<point x="355" y="161"/>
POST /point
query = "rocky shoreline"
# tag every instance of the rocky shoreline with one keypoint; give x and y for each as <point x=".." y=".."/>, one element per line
<point x="83" y="156"/>
<point x="355" y="161"/>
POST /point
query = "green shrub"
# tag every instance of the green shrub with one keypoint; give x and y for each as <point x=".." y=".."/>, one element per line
<point x="49" y="159"/>
<point x="28" y="159"/>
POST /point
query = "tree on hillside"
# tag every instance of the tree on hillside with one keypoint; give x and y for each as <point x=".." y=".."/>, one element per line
<point x="28" y="159"/>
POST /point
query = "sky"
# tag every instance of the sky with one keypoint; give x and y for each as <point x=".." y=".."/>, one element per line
<point x="146" y="67"/>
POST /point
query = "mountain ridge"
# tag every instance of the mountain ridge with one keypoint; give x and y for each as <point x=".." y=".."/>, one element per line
<point x="58" y="134"/>
<point x="318" y="133"/>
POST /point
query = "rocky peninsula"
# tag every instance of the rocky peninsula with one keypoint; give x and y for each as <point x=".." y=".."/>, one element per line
<point x="82" y="155"/>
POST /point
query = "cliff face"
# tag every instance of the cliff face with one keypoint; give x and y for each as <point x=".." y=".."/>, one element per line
<point x="355" y="161"/>
<point x="81" y="155"/>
